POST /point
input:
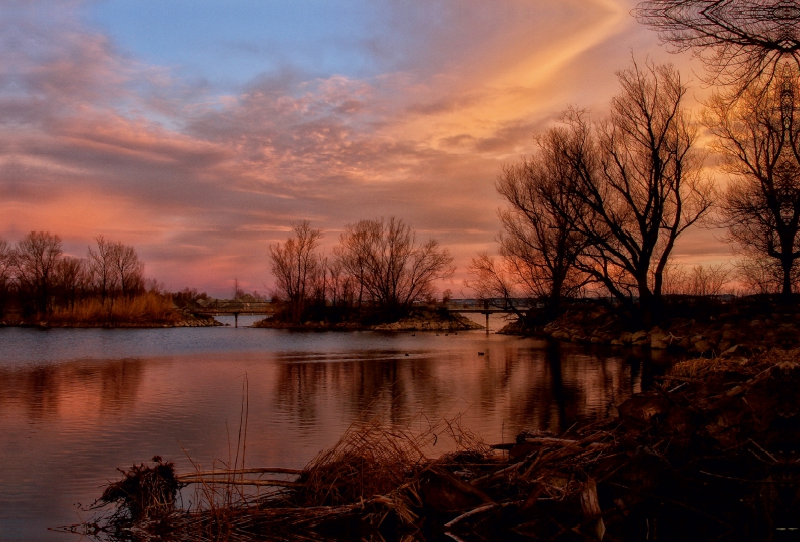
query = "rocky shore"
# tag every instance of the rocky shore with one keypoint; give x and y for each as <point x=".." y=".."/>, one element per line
<point x="416" y="321"/>
<point x="706" y="334"/>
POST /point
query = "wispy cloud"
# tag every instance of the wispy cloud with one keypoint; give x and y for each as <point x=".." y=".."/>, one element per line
<point x="93" y="140"/>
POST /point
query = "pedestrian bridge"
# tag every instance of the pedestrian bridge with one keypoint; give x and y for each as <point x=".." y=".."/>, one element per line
<point x="223" y="307"/>
<point x="489" y="306"/>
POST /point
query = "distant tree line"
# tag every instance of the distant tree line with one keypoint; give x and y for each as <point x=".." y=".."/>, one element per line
<point x="38" y="274"/>
<point x="379" y="265"/>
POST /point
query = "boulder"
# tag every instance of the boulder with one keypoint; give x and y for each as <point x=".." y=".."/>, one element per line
<point x="659" y="340"/>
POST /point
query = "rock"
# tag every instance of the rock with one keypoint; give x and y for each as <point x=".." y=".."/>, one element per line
<point x="560" y="335"/>
<point x="702" y="346"/>
<point x="658" y="339"/>
<point x="639" y="336"/>
<point x="643" y="406"/>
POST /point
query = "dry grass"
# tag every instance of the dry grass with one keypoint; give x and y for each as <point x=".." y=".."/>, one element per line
<point x="372" y="474"/>
<point x="146" y="309"/>
<point x="697" y="367"/>
<point x="700" y="368"/>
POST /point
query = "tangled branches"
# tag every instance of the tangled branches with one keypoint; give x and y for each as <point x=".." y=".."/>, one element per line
<point x="739" y="41"/>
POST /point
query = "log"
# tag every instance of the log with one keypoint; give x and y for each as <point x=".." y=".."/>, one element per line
<point x="240" y="482"/>
<point x="472" y="512"/>
<point x="274" y="470"/>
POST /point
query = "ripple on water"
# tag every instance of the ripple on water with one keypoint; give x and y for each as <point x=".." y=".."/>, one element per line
<point x="77" y="404"/>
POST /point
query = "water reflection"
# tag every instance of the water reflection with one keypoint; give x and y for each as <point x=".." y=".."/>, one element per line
<point x="544" y="387"/>
<point x="75" y="389"/>
<point x="76" y="406"/>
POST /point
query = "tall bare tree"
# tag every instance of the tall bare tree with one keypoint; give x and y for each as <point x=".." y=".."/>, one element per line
<point x="295" y="266"/>
<point x="36" y="259"/>
<point x="384" y="257"/>
<point x="102" y="267"/>
<point x="758" y="137"/>
<point x="71" y="279"/>
<point x="6" y="272"/>
<point x="539" y="244"/>
<point x="128" y="268"/>
<point x="115" y="269"/>
<point x="636" y="183"/>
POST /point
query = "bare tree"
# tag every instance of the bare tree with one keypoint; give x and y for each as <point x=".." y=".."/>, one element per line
<point x="758" y="138"/>
<point x="128" y="268"/>
<point x="539" y="244"/>
<point x="115" y="267"/>
<point x="759" y="274"/>
<point x="71" y="278"/>
<point x="36" y="259"/>
<point x="353" y="257"/>
<point x="295" y="264"/>
<point x="699" y="280"/>
<point x="6" y="272"/>
<point x="102" y="267"/>
<point x="341" y="284"/>
<point x="708" y="280"/>
<point x="384" y="257"/>
<point x="739" y="41"/>
<point x="637" y="184"/>
<point x="492" y="279"/>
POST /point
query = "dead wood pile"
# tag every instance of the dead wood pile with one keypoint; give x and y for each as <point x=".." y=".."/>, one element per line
<point x="713" y="452"/>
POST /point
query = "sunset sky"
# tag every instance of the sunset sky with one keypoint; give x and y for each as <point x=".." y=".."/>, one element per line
<point x="198" y="130"/>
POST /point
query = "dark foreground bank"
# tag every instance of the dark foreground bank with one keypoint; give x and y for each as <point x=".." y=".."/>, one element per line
<point x="712" y="453"/>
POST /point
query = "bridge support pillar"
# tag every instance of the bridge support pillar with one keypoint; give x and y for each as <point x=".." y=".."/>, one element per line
<point x="487" y="322"/>
<point x="235" y="319"/>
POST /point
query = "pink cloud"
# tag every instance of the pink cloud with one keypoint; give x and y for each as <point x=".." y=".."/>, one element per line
<point x="93" y="141"/>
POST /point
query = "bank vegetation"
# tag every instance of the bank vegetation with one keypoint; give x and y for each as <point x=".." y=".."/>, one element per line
<point x="41" y="285"/>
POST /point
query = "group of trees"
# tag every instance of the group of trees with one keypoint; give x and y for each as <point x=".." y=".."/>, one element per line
<point x="378" y="263"/>
<point x="43" y="278"/>
<point x="601" y="204"/>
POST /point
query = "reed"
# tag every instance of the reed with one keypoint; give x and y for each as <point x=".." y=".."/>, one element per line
<point x="149" y="308"/>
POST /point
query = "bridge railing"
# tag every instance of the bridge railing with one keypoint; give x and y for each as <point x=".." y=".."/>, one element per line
<point x="237" y="306"/>
<point x="489" y="304"/>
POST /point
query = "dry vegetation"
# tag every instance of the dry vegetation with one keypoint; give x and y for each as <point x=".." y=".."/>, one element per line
<point x="149" y="309"/>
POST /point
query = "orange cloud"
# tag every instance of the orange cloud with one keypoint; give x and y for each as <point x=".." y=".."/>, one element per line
<point x="95" y="142"/>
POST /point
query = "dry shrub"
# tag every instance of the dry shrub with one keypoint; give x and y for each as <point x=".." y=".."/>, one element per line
<point x="367" y="482"/>
<point x="144" y="492"/>
<point x="696" y="368"/>
<point x="145" y="309"/>
<point x="702" y="368"/>
<point x="373" y="459"/>
<point x="370" y="459"/>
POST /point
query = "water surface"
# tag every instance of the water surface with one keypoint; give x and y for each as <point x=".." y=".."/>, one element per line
<point x="75" y="404"/>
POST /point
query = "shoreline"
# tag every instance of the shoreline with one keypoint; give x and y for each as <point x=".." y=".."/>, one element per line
<point x="422" y="321"/>
<point x="185" y="321"/>
<point x="728" y="329"/>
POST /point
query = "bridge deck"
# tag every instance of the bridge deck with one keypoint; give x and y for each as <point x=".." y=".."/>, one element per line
<point x="485" y="311"/>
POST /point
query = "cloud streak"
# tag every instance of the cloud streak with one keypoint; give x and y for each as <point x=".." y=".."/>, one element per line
<point x="94" y="141"/>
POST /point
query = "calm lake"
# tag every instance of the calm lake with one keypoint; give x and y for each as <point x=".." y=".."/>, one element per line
<point x="76" y="404"/>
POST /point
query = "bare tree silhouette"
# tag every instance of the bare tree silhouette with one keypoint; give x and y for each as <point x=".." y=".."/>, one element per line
<point x="739" y="41"/>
